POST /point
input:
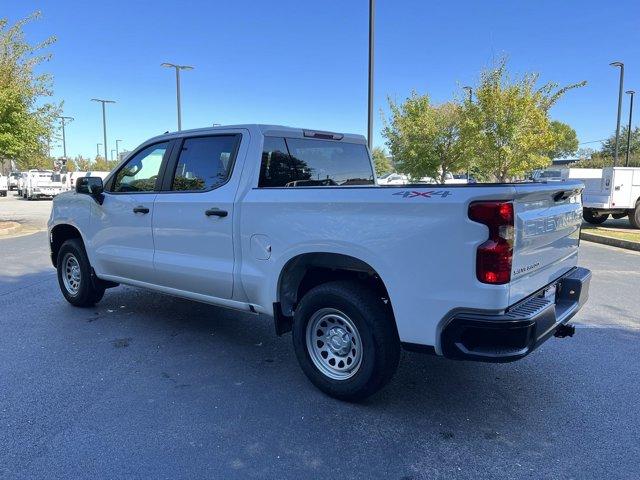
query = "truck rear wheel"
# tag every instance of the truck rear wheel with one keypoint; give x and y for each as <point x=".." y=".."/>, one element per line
<point x="634" y="216"/>
<point x="345" y="340"/>
<point x="75" y="277"/>
<point x="594" y="217"/>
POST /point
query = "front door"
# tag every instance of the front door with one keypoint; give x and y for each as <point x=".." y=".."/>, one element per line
<point x="122" y="239"/>
<point x="193" y="217"/>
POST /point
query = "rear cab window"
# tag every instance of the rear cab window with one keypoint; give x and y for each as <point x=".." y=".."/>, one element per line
<point x="204" y="163"/>
<point x="302" y="162"/>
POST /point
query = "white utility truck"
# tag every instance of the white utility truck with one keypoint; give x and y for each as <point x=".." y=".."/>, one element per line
<point x="615" y="192"/>
<point x="4" y="185"/>
<point x="69" y="180"/>
<point x="13" y="180"/>
<point x="290" y="223"/>
<point x="41" y="183"/>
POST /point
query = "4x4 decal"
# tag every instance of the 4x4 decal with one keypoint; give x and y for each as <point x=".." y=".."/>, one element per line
<point x="415" y="193"/>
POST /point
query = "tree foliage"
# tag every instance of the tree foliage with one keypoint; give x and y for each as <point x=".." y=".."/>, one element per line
<point x="103" y="165"/>
<point x="425" y="139"/>
<point x="566" y="140"/>
<point x="381" y="162"/>
<point x="26" y="121"/>
<point x="609" y="145"/>
<point x="507" y="129"/>
<point x="598" y="161"/>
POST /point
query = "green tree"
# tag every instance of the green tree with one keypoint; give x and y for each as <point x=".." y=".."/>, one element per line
<point x="566" y="140"/>
<point x="507" y="129"/>
<point x="425" y="139"/>
<point x="26" y="121"/>
<point x="381" y="162"/>
<point x="609" y="145"/>
<point x="103" y="165"/>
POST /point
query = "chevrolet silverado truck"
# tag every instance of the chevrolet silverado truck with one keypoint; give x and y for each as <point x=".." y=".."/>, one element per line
<point x="290" y="224"/>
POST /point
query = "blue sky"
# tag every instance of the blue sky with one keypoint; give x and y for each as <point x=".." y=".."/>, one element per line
<point x="304" y="63"/>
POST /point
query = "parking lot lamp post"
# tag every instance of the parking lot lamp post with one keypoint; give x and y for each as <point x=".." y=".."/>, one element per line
<point x="63" y="119"/>
<point x="621" y="65"/>
<point x="104" y="122"/>
<point x="177" y="69"/>
<point x="117" y="151"/>
<point x="631" y="93"/>
<point x="112" y="150"/>
<point x="98" y="149"/>
<point x="372" y="7"/>
<point x="470" y="90"/>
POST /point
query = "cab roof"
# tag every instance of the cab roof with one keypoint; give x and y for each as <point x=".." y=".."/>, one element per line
<point x="267" y="130"/>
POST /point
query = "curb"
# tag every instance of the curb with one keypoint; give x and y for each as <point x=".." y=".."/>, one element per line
<point x="612" y="242"/>
<point x="9" y="228"/>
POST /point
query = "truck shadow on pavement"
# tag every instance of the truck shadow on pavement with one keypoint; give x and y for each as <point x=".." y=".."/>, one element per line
<point x="422" y="384"/>
<point x="149" y="373"/>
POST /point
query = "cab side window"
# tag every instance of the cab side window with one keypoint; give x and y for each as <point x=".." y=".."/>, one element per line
<point x="140" y="173"/>
<point x="303" y="162"/>
<point x="204" y="162"/>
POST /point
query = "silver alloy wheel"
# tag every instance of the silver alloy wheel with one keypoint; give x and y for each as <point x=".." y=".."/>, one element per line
<point x="71" y="275"/>
<point x="334" y="344"/>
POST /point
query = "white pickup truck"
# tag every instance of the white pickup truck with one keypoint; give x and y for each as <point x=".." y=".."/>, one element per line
<point x="290" y="223"/>
<point x="41" y="183"/>
<point x="4" y="185"/>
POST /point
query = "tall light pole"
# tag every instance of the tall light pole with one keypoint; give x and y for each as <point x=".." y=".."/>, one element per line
<point x="98" y="150"/>
<point x="631" y="93"/>
<point x="112" y="150"/>
<point x="117" y="151"/>
<point x="177" y="69"/>
<point x="63" y="119"/>
<point x="470" y="90"/>
<point x="621" y="65"/>
<point x="372" y="7"/>
<point x="104" y="122"/>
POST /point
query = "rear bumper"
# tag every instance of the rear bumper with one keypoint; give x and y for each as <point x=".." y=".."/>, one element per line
<point x="521" y="329"/>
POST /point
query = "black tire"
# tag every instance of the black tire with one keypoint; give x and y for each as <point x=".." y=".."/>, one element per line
<point x="88" y="291"/>
<point x="634" y="216"/>
<point x="593" y="217"/>
<point x="380" y="352"/>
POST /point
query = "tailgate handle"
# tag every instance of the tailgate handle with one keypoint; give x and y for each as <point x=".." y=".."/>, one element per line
<point x="563" y="195"/>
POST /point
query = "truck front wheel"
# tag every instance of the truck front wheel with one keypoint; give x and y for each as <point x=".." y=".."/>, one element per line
<point x="74" y="275"/>
<point x="634" y="216"/>
<point x="594" y="217"/>
<point x="345" y="340"/>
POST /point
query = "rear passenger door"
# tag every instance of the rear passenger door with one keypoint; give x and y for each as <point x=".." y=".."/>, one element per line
<point x="193" y="217"/>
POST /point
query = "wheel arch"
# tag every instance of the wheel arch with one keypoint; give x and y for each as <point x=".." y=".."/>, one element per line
<point x="60" y="233"/>
<point x="304" y="271"/>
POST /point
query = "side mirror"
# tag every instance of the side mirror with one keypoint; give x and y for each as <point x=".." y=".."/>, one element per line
<point x="90" y="186"/>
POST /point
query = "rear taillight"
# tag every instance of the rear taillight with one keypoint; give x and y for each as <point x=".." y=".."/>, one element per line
<point x="493" y="258"/>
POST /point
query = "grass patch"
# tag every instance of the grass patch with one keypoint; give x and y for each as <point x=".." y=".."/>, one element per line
<point x="631" y="235"/>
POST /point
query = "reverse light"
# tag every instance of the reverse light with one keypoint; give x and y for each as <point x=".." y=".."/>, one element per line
<point x="494" y="257"/>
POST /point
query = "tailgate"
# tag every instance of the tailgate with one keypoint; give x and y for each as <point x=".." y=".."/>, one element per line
<point x="547" y="230"/>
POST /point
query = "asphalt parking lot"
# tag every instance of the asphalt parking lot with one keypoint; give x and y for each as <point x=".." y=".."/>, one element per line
<point x="149" y="386"/>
